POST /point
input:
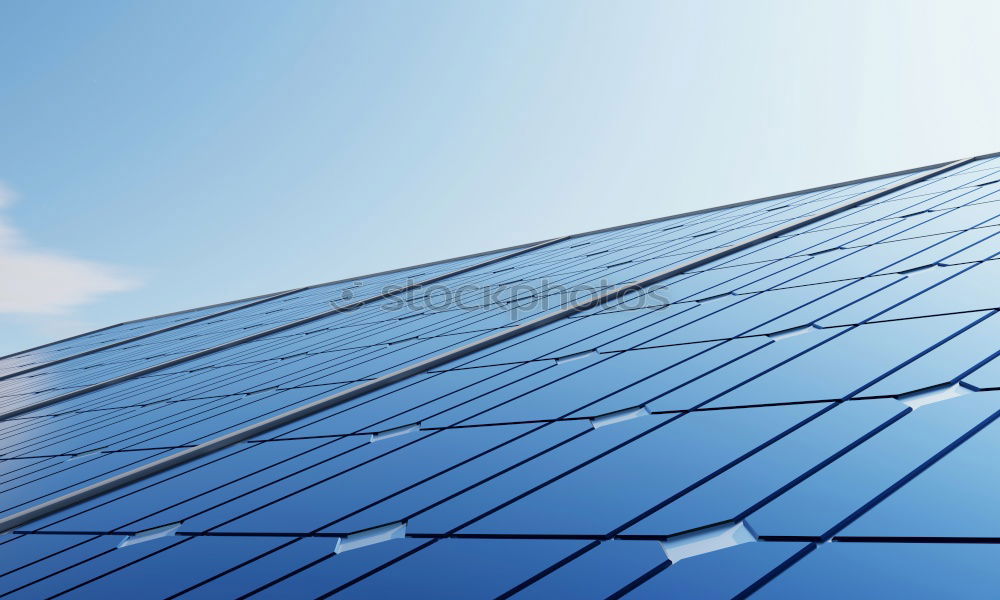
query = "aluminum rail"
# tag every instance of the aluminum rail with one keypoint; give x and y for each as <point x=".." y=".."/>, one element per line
<point x="20" y="410"/>
<point x="187" y="455"/>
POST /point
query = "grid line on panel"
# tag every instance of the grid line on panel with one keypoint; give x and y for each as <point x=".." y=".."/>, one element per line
<point x="179" y="446"/>
<point x="240" y="565"/>
<point x="71" y="338"/>
<point x="552" y="568"/>
<point x="260" y="334"/>
<point x="289" y="534"/>
<point x="805" y="191"/>
<point x="596" y="537"/>
<point x="356" y="579"/>
<point x="822" y="464"/>
<point x="142" y="336"/>
<point x="295" y="414"/>
<point x="614" y="533"/>
<point x="140" y="361"/>
<point x="717" y="209"/>
<point x="605" y="267"/>
<point x="912" y="474"/>
<point x="504" y="535"/>
<point x="867" y="506"/>
<point x="776" y="571"/>
<point x="631" y="586"/>
<point x="369" y="431"/>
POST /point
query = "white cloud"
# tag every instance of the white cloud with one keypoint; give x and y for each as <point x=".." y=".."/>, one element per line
<point x="36" y="281"/>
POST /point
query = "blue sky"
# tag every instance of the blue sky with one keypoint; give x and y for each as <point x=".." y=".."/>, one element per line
<point x="161" y="155"/>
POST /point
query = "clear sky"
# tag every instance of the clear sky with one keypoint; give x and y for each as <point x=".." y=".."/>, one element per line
<point x="165" y="154"/>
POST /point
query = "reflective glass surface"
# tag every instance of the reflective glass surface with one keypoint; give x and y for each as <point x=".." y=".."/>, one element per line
<point x="813" y="413"/>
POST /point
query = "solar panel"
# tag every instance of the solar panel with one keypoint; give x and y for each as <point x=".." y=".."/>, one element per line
<point x="786" y="397"/>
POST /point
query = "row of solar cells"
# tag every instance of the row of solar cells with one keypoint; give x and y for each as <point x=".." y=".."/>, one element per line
<point x="246" y="315"/>
<point x="17" y="361"/>
<point x="21" y="470"/>
<point x="21" y="360"/>
<point x="108" y="425"/>
<point x="371" y="284"/>
<point x="634" y="423"/>
<point x="205" y="334"/>
<point x="96" y="361"/>
<point x="40" y="382"/>
<point x="758" y="454"/>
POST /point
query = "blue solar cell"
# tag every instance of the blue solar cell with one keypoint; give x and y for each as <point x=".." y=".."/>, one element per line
<point x="319" y="496"/>
<point x="597" y="384"/>
<point x="510" y="484"/>
<point x="790" y="247"/>
<point x="954" y="497"/>
<point x="166" y="566"/>
<point x="890" y="570"/>
<point x="892" y="291"/>
<point x="818" y="505"/>
<point x="959" y="219"/>
<point x="617" y="487"/>
<point x="986" y="376"/>
<point x="782" y="463"/>
<point x="722" y="574"/>
<point x="966" y="288"/>
<point x="573" y="335"/>
<point x="842" y="362"/>
<point x="216" y="480"/>
<point x="597" y="573"/>
<point x="476" y="569"/>
<point x="726" y="279"/>
<point x="839" y="297"/>
<point x="659" y="332"/>
<point x="281" y="567"/>
<point x="28" y="487"/>
<point x="947" y="362"/>
<point x="419" y="496"/>
<point x="764" y="312"/>
<point x="29" y="561"/>
<point x="432" y="400"/>
<point x="982" y="248"/>
<point x="886" y="257"/>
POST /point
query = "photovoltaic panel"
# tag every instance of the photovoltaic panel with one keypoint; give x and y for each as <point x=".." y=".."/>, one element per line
<point x="815" y="403"/>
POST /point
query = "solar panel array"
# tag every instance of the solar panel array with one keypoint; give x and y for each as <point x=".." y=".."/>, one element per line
<point x="812" y="414"/>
